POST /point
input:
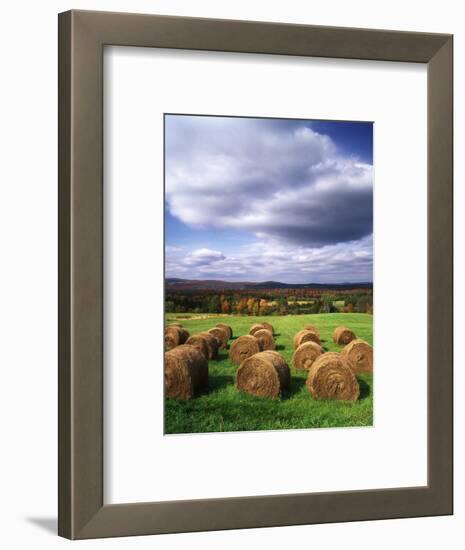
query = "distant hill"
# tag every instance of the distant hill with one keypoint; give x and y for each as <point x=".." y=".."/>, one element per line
<point x="192" y="284"/>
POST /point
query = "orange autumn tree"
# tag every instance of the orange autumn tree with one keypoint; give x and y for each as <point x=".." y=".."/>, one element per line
<point x="251" y="306"/>
<point x="241" y="306"/>
<point x="264" y="307"/>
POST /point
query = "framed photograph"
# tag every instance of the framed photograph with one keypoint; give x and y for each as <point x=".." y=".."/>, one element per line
<point x="278" y="203"/>
<point x="255" y="274"/>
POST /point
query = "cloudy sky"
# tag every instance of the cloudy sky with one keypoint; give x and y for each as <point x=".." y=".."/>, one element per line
<point x="251" y="199"/>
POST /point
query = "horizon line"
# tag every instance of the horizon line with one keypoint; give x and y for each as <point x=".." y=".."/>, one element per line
<point x="269" y="281"/>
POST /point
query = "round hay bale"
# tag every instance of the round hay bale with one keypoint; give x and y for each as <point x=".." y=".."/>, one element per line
<point x="199" y="341"/>
<point x="213" y="344"/>
<point x="175" y="336"/>
<point x="186" y="372"/>
<point x="222" y="336"/>
<point x="174" y="324"/>
<point x="264" y="374"/>
<point x="358" y="354"/>
<point x="254" y="328"/>
<point x="343" y="335"/>
<point x="265" y="339"/>
<point x="227" y="328"/>
<point x="313" y="328"/>
<point x="305" y="355"/>
<point x="305" y="335"/>
<point x="331" y="378"/>
<point x="268" y="326"/>
<point x="243" y="347"/>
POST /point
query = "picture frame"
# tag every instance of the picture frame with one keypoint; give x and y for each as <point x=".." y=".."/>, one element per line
<point x="82" y="37"/>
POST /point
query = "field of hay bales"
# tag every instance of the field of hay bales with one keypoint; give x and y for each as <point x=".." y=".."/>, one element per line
<point x="225" y="409"/>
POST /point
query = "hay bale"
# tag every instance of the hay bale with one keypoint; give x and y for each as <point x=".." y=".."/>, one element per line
<point x="174" y="324"/>
<point x="343" y="335"/>
<point x="265" y="339"/>
<point x="312" y="328"/>
<point x="358" y="354"/>
<point x="213" y="344"/>
<point x="227" y="328"/>
<point x="175" y="336"/>
<point x="331" y="378"/>
<point x="243" y="347"/>
<point x="199" y="341"/>
<point x="222" y="336"/>
<point x="268" y="326"/>
<point x="305" y="355"/>
<point x="305" y="335"/>
<point x="186" y="372"/>
<point x="265" y="374"/>
<point x="254" y="328"/>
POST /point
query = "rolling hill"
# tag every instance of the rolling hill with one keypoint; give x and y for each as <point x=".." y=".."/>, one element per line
<point x="173" y="283"/>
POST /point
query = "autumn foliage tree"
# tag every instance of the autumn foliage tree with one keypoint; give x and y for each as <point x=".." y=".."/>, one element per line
<point x="241" y="306"/>
<point x="264" y="307"/>
<point x="251" y="305"/>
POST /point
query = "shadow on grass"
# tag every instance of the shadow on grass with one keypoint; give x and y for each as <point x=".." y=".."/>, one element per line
<point x="217" y="382"/>
<point x="280" y="347"/>
<point x="294" y="388"/>
<point x="365" y="389"/>
<point x="276" y="334"/>
<point x="222" y="355"/>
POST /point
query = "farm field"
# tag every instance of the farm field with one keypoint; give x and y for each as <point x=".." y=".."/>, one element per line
<point x="225" y="409"/>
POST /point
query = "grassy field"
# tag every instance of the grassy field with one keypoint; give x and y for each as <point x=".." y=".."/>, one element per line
<point x="225" y="409"/>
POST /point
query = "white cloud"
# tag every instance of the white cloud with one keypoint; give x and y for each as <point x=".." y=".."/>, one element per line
<point x="279" y="180"/>
<point x="342" y="262"/>
<point x="202" y="257"/>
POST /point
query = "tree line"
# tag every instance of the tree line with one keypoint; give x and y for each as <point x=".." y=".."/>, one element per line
<point x="242" y="303"/>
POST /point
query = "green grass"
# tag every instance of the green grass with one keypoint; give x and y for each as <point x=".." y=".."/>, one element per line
<point x="224" y="409"/>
